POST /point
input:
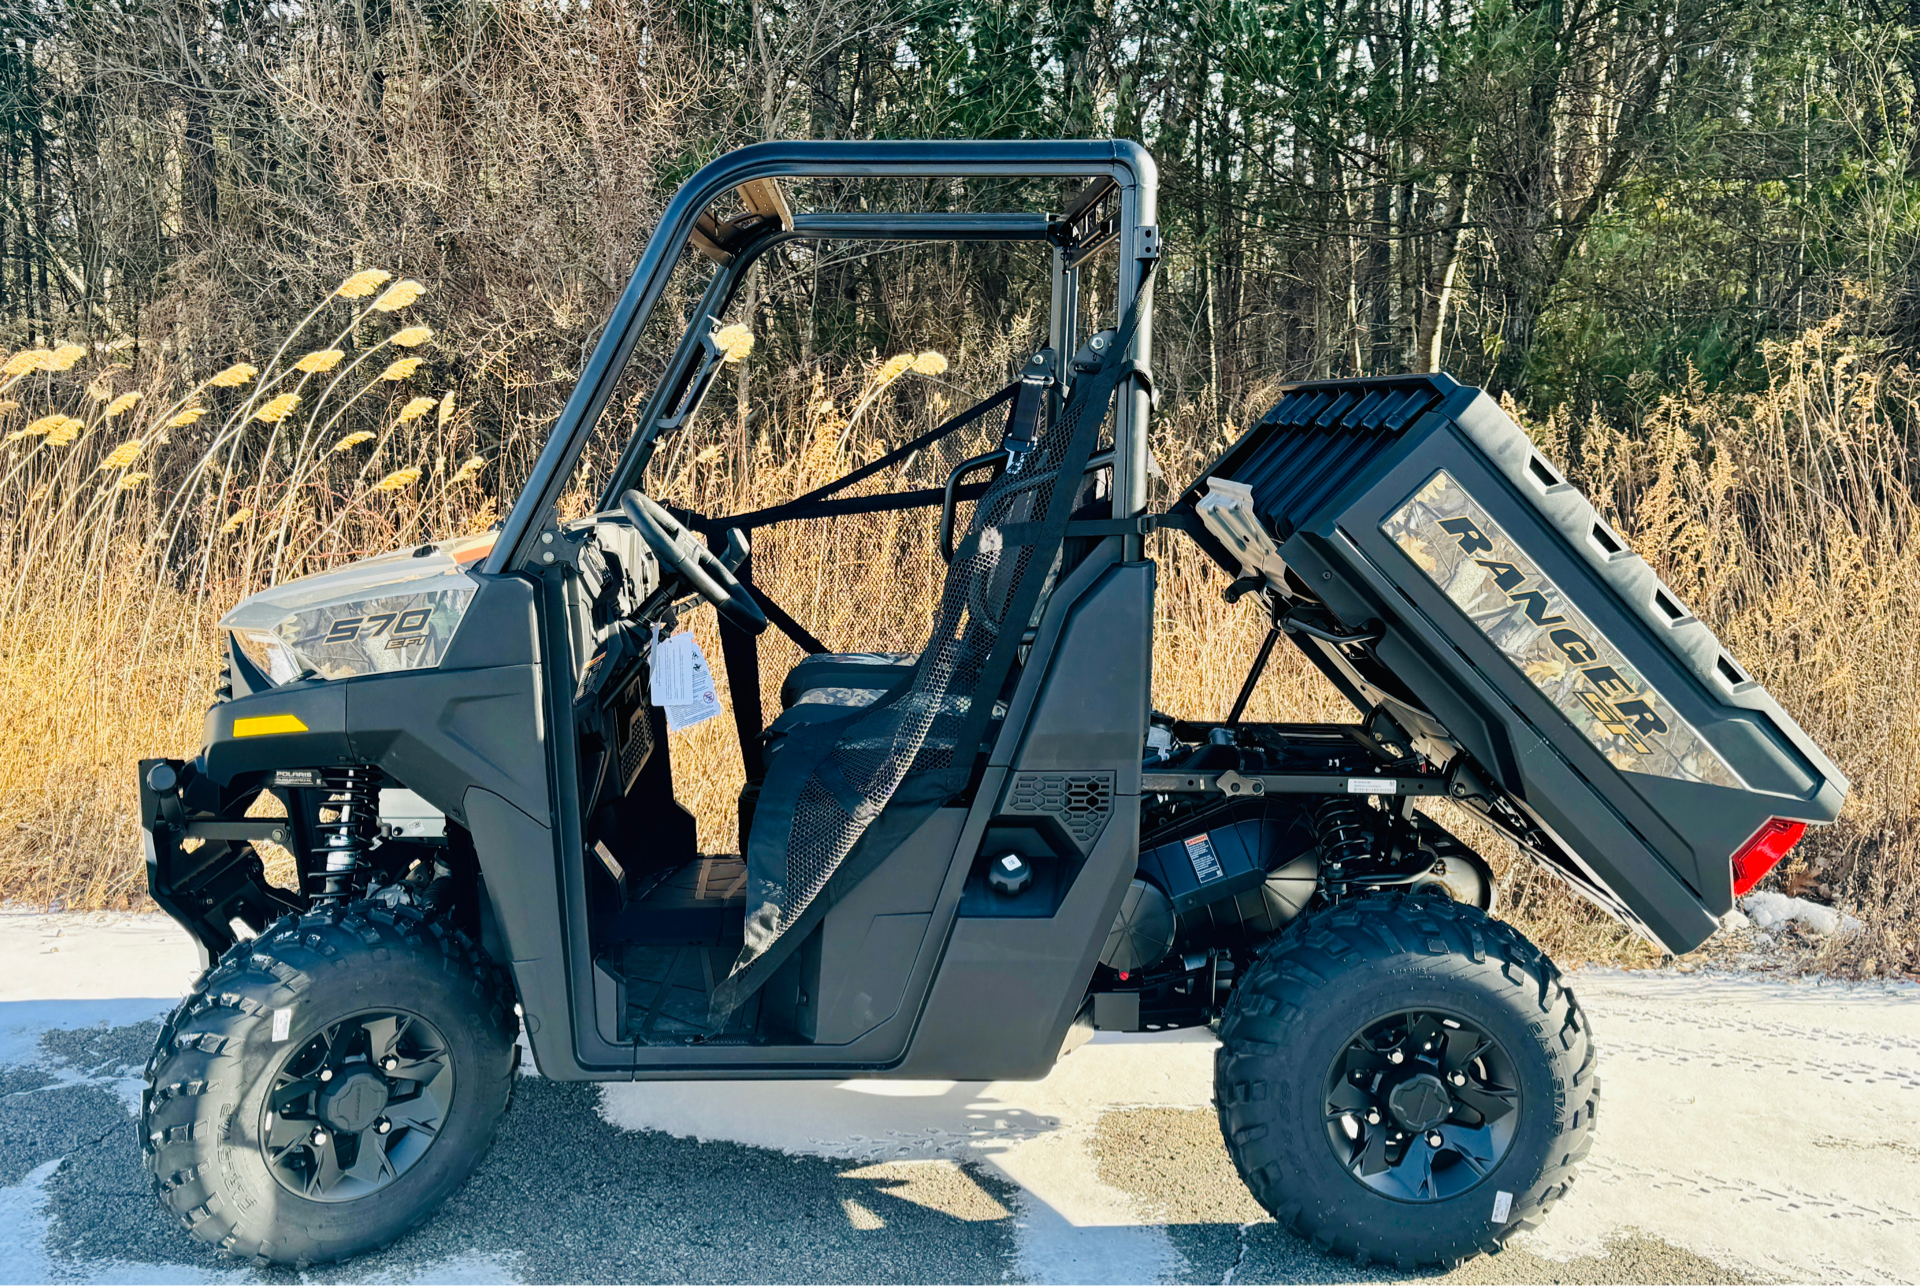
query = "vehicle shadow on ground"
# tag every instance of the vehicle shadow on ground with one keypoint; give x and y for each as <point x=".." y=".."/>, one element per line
<point x="563" y="1196"/>
<point x="566" y="1196"/>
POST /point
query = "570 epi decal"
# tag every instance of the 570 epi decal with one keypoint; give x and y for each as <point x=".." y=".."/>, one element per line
<point x="408" y="628"/>
<point x="1530" y="619"/>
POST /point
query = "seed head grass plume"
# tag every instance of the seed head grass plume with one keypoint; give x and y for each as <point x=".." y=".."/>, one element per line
<point x="399" y="295"/>
<point x="884" y="377"/>
<point x="357" y="286"/>
<point x="363" y="283"/>
<point x="320" y="361"/>
<point x="278" y="409"/>
<point x="735" y="342"/>
<point x="316" y="427"/>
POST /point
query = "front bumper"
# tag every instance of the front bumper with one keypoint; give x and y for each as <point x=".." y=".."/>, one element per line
<point x="202" y="868"/>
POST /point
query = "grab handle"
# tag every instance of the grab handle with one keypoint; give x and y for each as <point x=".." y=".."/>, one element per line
<point x="961" y="470"/>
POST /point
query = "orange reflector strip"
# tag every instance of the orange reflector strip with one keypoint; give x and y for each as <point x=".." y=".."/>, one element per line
<point x="266" y="725"/>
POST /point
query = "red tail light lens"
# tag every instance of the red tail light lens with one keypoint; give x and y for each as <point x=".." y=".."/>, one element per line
<point x="1763" y="852"/>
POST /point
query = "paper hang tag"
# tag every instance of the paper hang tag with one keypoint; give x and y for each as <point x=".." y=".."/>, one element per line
<point x="685" y="716"/>
<point x="681" y="683"/>
<point x="680" y="672"/>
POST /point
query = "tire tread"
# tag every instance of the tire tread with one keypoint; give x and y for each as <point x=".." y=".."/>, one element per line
<point x="194" y="1075"/>
<point x="1272" y="1000"/>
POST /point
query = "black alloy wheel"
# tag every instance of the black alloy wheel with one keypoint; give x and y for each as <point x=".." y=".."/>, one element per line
<point x="1421" y="1105"/>
<point x="357" y="1105"/>
<point x="328" y="1084"/>
<point x="1405" y="1080"/>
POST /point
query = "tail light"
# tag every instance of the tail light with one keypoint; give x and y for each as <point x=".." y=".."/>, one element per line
<point x="1763" y="852"/>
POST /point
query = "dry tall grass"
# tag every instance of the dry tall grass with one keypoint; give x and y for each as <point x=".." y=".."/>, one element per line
<point x="131" y="522"/>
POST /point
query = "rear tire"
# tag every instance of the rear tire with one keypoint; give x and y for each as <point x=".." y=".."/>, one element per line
<point x="1315" y="1108"/>
<point x="235" y="1101"/>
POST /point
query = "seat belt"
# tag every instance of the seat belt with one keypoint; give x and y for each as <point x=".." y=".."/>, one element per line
<point x="740" y="652"/>
<point x="1029" y="408"/>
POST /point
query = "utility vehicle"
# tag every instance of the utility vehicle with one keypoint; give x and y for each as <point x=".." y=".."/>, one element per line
<point x="959" y="862"/>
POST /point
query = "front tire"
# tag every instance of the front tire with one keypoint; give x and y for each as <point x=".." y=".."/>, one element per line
<point x="1404" y="1080"/>
<point x="328" y="1084"/>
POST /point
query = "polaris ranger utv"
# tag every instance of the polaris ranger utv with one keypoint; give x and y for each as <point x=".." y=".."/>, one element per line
<point x="959" y="862"/>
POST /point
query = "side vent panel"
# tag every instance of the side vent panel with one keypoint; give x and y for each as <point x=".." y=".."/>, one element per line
<point x="1080" y="802"/>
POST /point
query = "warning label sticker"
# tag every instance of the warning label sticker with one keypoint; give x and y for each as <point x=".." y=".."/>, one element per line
<point x="1206" y="863"/>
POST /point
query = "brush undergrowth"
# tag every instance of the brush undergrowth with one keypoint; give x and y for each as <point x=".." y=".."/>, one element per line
<point x="139" y="505"/>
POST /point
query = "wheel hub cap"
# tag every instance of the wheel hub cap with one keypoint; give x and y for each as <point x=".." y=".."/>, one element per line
<point x="1420" y="1101"/>
<point x="353" y="1102"/>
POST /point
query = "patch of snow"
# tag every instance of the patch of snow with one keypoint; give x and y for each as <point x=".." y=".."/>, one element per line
<point x="1054" y="1249"/>
<point x="1768" y="910"/>
<point x="24" y="1022"/>
<point x="23" y="1226"/>
<point x="23" y="1257"/>
<point x="1734" y="919"/>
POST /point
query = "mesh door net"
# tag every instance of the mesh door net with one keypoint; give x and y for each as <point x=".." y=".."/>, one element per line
<point x="914" y="748"/>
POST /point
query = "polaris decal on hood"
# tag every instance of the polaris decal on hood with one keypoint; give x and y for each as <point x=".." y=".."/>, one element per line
<point x="1490" y="578"/>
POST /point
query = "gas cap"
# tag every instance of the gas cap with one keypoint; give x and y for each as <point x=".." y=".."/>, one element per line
<point x="1010" y="874"/>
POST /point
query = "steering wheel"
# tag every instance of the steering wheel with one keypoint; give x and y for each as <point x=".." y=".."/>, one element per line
<point x="682" y="551"/>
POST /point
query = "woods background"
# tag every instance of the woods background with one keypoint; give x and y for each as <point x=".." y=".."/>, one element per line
<point x="1682" y="236"/>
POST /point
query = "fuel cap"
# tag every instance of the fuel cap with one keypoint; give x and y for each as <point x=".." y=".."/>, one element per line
<point x="1010" y="874"/>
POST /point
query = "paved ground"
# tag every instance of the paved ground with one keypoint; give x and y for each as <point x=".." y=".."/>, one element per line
<point x="1751" y="1130"/>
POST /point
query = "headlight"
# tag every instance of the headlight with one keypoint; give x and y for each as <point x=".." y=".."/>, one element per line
<point x="395" y="612"/>
<point x="264" y="649"/>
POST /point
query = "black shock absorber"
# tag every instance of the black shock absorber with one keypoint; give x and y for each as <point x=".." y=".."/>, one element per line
<point x="353" y="797"/>
<point x="1344" y="826"/>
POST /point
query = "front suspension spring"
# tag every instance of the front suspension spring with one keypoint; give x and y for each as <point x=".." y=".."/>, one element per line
<point x="352" y="795"/>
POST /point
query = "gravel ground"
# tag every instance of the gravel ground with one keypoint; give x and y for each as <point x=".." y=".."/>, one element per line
<point x="1754" y="1130"/>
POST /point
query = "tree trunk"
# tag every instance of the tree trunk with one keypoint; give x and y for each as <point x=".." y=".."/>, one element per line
<point x="1446" y="262"/>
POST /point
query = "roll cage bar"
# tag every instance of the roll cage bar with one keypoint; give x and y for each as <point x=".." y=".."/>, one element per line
<point x="1114" y="166"/>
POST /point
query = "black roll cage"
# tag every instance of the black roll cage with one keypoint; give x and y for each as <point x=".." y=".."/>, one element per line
<point x="1113" y="166"/>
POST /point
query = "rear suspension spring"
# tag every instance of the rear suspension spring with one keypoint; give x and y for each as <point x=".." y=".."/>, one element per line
<point x="353" y="797"/>
<point x="1344" y="828"/>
